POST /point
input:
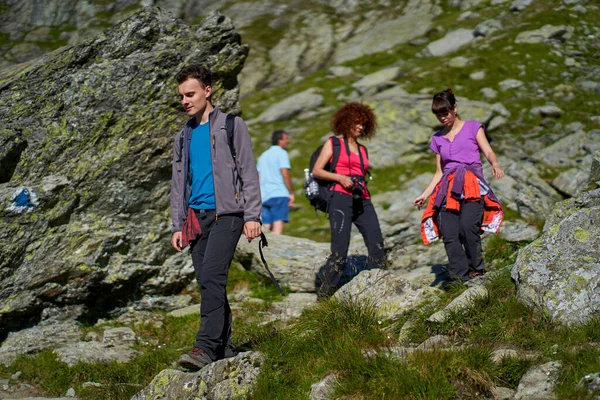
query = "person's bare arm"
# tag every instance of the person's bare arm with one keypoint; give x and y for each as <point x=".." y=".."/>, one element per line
<point x="489" y="154"/>
<point x="319" y="168"/>
<point x="287" y="180"/>
<point x="419" y="201"/>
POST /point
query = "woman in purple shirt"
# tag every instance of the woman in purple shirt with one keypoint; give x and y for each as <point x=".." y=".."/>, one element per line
<point x="459" y="189"/>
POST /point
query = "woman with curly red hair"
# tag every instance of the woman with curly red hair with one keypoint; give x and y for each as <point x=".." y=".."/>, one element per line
<point x="350" y="199"/>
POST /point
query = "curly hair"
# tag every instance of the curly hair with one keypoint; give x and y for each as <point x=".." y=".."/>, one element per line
<point x="350" y="114"/>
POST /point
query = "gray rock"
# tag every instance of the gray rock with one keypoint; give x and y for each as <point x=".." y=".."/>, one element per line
<point x="458" y="62"/>
<point x="468" y="15"/>
<point x="591" y="383"/>
<point x="572" y="181"/>
<point x="119" y="336"/>
<point x="499" y="355"/>
<point x="70" y="393"/>
<point x="539" y="382"/>
<point x="503" y="393"/>
<point x="184" y="312"/>
<point x="162" y="303"/>
<point x="542" y="35"/>
<point x="377" y="81"/>
<point x="517" y="231"/>
<point x="324" y="389"/>
<point x="496" y="122"/>
<point x="510" y="83"/>
<point x="435" y="342"/>
<point x="450" y="43"/>
<point x="94" y="352"/>
<point x="566" y="208"/>
<point x="294" y="261"/>
<point x="489" y="93"/>
<point x="36" y="339"/>
<point x="520" y="5"/>
<point x="291" y="106"/>
<point x="415" y="21"/>
<point x="291" y="307"/>
<point x="301" y="50"/>
<point x="244" y="14"/>
<point x="227" y="379"/>
<point x="478" y="76"/>
<point x="340" y="71"/>
<point x="559" y="273"/>
<point x="569" y="151"/>
<point x="487" y="27"/>
<point x="524" y="189"/>
<point x="461" y="303"/>
<point x="549" y="110"/>
<point x="388" y="294"/>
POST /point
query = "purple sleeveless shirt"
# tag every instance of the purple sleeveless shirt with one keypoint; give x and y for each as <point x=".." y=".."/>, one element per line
<point x="463" y="150"/>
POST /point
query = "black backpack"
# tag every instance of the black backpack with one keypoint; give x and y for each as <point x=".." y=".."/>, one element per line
<point x="317" y="190"/>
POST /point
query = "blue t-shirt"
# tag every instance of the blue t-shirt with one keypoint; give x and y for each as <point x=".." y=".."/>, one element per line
<point x="269" y="167"/>
<point x="203" y="189"/>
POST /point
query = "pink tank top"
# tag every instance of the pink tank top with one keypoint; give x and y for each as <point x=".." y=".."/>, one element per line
<point x="351" y="166"/>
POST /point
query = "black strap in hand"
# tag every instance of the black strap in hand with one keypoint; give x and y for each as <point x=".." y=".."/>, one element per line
<point x="264" y="243"/>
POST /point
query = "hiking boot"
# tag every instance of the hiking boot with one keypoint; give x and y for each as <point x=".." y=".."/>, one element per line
<point x="195" y="359"/>
<point x="229" y="352"/>
<point x="452" y="284"/>
<point x="475" y="274"/>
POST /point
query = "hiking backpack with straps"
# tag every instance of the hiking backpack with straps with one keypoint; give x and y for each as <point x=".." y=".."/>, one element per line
<point x="317" y="191"/>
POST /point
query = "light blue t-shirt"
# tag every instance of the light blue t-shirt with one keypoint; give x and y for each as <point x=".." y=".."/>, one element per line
<point x="203" y="189"/>
<point x="269" y="167"/>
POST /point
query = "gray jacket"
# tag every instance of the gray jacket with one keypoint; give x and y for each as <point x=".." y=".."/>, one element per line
<point x="232" y="195"/>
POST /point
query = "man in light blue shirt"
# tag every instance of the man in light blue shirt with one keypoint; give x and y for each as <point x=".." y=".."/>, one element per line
<point x="276" y="183"/>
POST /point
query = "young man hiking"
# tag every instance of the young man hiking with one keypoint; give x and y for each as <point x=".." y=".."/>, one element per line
<point x="214" y="197"/>
<point x="276" y="183"/>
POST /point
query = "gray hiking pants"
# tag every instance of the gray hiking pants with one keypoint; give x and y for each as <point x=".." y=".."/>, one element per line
<point x="211" y="255"/>
<point x="461" y="232"/>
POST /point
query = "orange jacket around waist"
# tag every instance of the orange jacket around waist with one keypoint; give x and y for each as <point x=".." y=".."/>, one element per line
<point x="492" y="210"/>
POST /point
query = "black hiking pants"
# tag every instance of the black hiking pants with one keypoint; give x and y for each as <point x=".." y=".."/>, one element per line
<point x="461" y="232"/>
<point x="343" y="212"/>
<point x="211" y="255"/>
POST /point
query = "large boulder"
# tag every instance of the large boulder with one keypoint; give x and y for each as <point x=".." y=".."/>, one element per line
<point x="84" y="195"/>
<point x="295" y="262"/>
<point x="389" y="294"/>
<point x="227" y="379"/>
<point x="559" y="273"/>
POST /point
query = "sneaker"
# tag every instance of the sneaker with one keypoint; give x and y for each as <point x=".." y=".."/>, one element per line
<point x="195" y="359"/>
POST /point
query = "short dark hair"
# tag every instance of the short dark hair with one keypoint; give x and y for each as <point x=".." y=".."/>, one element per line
<point x="443" y="102"/>
<point x="277" y="136"/>
<point x="195" y="71"/>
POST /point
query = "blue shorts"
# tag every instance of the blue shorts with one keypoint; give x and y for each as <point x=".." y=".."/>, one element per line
<point x="275" y="209"/>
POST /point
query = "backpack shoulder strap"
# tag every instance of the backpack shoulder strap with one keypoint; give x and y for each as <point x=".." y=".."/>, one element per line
<point x="229" y="125"/>
<point x="180" y="146"/>
<point x="336" y="145"/>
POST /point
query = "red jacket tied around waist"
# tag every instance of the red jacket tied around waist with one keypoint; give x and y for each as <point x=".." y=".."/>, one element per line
<point x="461" y="182"/>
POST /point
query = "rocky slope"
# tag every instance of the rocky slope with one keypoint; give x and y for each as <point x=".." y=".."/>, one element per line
<point x="87" y="130"/>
